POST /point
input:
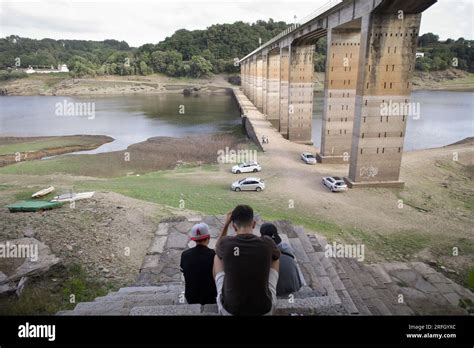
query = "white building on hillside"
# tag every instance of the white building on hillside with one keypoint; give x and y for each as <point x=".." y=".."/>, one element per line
<point x="61" y="68"/>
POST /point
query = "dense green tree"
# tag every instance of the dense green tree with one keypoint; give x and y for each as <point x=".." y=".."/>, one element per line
<point x="426" y="39"/>
<point x="200" y="66"/>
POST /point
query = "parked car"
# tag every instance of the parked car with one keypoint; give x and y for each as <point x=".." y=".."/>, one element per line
<point x="308" y="158"/>
<point x="334" y="183"/>
<point x="248" y="184"/>
<point x="246" y="168"/>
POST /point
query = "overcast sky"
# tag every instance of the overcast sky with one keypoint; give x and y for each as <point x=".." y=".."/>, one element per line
<point x="139" y="22"/>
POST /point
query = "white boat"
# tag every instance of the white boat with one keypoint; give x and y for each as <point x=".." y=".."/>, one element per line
<point x="43" y="192"/>
<point x="69" y="197"/>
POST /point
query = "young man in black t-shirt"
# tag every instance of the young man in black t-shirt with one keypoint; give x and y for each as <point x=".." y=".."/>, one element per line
<point x="245" y="267"/>
<point x="196" y="265"/>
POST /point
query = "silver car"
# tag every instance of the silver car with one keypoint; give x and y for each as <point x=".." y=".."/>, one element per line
<point x="246" y="168"/>
<point x="334" y="183"/>
<point x="248" y="184"/>
<point x="308" y="158"/>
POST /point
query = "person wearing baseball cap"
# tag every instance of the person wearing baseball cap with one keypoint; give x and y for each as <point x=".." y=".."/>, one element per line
<point x="196" y="265"/>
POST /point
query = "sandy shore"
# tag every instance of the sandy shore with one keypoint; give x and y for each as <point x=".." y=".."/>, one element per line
<point x="49" y="85"/>
<point x="40" y="147"/>
<point x="113" y="85"/>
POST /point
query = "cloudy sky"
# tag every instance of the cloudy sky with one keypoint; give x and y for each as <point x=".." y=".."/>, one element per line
<point x="141" y="21"/>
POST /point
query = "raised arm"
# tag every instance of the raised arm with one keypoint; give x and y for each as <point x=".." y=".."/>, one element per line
<point x="228" y="221"/>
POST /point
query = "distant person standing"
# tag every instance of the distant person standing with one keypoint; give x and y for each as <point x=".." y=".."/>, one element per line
<point x="289" y="279"/>
<point x="196" y="265"/>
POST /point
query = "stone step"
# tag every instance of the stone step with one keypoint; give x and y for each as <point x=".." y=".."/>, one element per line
<point x="187" y="309"/>
<point x="132" y="300"/>
<point x="296" y="306"/>
<point x="164" y="288"/>
<point x="320" y="305"/>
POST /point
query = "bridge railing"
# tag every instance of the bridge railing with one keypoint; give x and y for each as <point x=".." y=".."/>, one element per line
<point x="319" y="11"/>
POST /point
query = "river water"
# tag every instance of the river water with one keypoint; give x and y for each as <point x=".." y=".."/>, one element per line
<point x="445" y="117"/>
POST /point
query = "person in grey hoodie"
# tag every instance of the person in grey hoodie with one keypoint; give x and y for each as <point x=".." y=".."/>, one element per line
<point x="289" y="280"/>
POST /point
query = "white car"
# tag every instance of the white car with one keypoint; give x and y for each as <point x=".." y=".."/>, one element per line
<point x="308" y="158"/>
<point x="248" y="184"/>
<point x="334" y="183"/>
<point x="251" y="167"/>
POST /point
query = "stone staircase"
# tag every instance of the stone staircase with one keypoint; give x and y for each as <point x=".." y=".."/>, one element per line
<point x="331" y="286"/>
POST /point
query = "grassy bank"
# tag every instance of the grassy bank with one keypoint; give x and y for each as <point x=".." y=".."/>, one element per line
<point x="151" y="155"/>
<point x="59" y="289"/>
<point x="22" y="150"/>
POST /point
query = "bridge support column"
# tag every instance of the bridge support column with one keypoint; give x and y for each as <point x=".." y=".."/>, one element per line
<point x="301" y="94"/>
<point x="250" y="79"/>
<point x="264" y="81"/>
<point x="340" y="82"/>
<point x="246" y="78"/>
<point x="284" y="89"/>
<point x="386" y="64"/>
<point x="243" y="77"/>
<point x="273" y="86"/>
<point x="259" y="83"/>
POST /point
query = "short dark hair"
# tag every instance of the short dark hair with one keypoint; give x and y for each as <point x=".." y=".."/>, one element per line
<point x="242" y="215"/>
<point x="201" y="241"/>
<point x="270" y="230"/>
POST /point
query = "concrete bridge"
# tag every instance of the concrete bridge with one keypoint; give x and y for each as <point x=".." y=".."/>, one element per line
<point x="371" y="47"/>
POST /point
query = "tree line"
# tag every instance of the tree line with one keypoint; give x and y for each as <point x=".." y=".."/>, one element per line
<point x="193" y="53"/>
<point x="187" y="53"/>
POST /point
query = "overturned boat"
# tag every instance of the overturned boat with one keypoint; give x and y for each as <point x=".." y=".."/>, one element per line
<point x="69" y="197"/>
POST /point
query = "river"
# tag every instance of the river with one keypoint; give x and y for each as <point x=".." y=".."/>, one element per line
<point x="445" y="117"/>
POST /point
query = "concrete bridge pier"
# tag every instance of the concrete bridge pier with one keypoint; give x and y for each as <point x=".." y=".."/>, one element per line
<point x="252" y="80"/>
<point x="284" y="89"/>
<point x="243" y="76"/>
<point x="300" y="110"/>
<point x="273" y="86"/>
<point x="264" y="81"/>
<point x="386" y="64"/>
<point x="342" y="62"/>
<point x="259" y="83"/>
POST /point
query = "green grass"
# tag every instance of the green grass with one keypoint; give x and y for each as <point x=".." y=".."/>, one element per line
<point x="48" y="297"/>
<point x="169" y="187"/>
<point x="47" y="143"/>
<point x="65" y="165"/>
<point x="470" y="279"/>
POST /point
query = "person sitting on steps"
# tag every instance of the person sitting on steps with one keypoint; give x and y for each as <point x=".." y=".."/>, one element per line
<point x="288" y="278"/>
<point x="196" y="265"/>
<point x="245" y="267"/>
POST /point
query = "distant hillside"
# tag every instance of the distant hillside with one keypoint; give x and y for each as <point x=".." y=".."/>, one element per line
<point x="185" y="53"/>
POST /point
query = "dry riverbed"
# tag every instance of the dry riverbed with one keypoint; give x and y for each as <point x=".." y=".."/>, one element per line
<point x="49" y="85"/>
<point x="19" y="149"/>
<point x="63" y="85"/>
